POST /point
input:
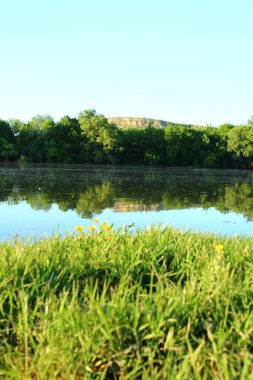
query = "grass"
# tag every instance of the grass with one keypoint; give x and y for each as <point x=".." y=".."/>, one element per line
<point x="159" y="304"/>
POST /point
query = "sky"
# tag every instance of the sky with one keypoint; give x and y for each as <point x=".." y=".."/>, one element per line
<point x="185" y="61"/>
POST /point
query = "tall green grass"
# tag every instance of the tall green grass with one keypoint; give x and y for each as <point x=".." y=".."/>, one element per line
<point x="159" y="304"/>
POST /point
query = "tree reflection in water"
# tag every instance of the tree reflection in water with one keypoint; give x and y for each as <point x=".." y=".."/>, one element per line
<point x="90" y="189"/>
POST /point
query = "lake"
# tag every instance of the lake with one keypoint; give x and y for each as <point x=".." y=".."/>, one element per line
<point x="38" y="200"/>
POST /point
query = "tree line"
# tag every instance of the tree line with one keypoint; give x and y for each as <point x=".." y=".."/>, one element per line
<point x="90" y="138"/>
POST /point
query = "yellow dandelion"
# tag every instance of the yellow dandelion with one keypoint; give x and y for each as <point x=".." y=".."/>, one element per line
<point x="103" y="223"/>
<point x="79" y="228"/>
<point x="107" y="227"/>
<point x="95" y="220"/>
<point x="219" y="248"/>
<point x="91" y="228"/>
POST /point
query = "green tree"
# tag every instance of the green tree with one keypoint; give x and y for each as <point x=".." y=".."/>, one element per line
<point x="8" y="151"/>
<point x="64" y="141"/>
<point x="240" y="141"/>
<point x="102" y="136"/>
<point x="31" y="143"/>
<point x="154" y="146"/>
<point x="143" y="146"/>
<point x="40" y="121"/>
<point x="212" y="148"/>
<point x="183" y="145"/>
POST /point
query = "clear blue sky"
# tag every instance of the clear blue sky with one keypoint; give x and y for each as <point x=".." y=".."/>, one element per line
<point x="185" y="61"/>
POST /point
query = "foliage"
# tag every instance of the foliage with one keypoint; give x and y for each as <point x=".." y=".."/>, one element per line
<point x="93" y="139"/>
<point x="240" y="141"/>
<point x="64" y="141"/>
<point x="182" y="145"/>
<point x="143" y="146"/>
<point x="8" y="150"/>
<point x="102" y="136"/>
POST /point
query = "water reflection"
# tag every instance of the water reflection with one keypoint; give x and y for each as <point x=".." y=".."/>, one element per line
<point x="88" y="190"/>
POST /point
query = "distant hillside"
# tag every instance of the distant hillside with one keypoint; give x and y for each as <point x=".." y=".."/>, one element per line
<point x="141" y="122"/>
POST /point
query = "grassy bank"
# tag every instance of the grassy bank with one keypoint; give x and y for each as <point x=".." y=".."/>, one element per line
<point x="156" y="305"/>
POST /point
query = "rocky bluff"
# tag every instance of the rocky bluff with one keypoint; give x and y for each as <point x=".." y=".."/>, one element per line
<point x="139" y="122"/>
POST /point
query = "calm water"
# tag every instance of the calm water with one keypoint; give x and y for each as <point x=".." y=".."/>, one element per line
<point x="38" y="200"/>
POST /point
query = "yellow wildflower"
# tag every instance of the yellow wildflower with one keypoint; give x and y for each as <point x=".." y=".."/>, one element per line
<point x="103" y="223"/>
<point x="91" y="228"/>
<point x="95" y="220"/>
<point x="219" y="248"/>
<point x="107" y="227"/>
<point x="107" y="237"/>
<point x="79" y="228"/>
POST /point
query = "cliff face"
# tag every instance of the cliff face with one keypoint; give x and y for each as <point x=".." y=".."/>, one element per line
<point x="139" y="122"/>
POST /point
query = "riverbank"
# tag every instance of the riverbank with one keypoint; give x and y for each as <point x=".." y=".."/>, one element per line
<point x="157" y="304"/>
